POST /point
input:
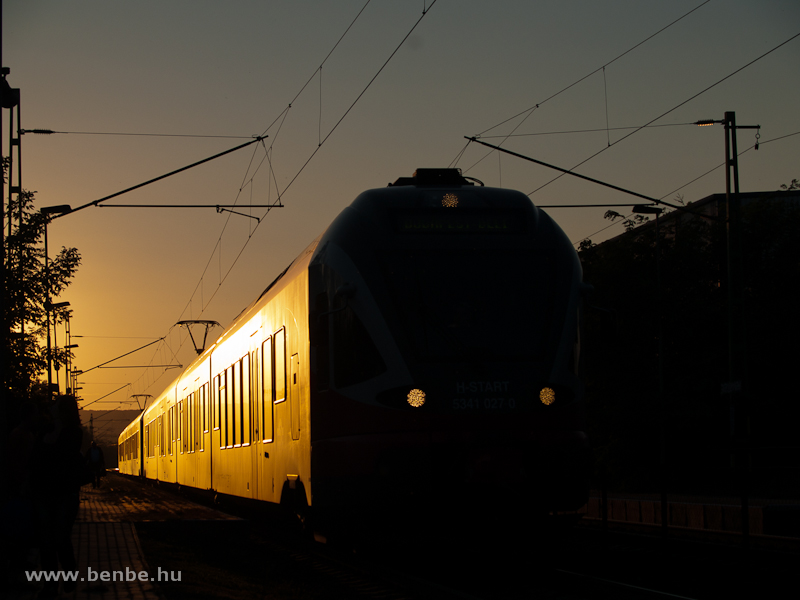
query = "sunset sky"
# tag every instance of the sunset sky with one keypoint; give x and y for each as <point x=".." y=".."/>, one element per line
<point x="202" y="77"/>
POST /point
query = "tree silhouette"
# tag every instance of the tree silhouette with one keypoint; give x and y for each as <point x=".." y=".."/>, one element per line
<point x="28" y="285"/>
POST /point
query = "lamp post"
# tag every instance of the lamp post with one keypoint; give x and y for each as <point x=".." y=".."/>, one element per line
<point x="55" y="308"/>
<point x="737" y="354"/>
<point x="73" y="374"/>
<point x="60" y="209"/>
<point x="69" y="346"/>
<point x="52" y="308"/>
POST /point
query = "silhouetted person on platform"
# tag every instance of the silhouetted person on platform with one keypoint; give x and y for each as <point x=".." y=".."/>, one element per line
<point x="97" y="463"/>
<point x="57" y="481"/>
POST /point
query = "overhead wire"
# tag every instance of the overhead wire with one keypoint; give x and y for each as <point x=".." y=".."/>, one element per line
<point x="117" y="133"/>
<point x="310" y="79"/>
<point x="719" y="166"/>
<point x="323" y="140"/>
<point x="371" y="81"/>
<point x="489" y="137"/>
<point x="613" y="60"/>
<point x="677" y="106"/>
<point x="533" y="108"/>
<point x="282" y="117"/>
<point x="218" y="244"/>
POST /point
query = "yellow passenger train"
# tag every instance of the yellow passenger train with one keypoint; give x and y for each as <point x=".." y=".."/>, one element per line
<point x="423" y="351"/>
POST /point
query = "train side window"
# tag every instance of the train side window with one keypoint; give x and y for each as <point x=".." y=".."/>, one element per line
<point x="179" y="425"/>
<point x="205" y="408"/>
<point x="237" y="403"/>
<point x="245" y="400"/>
<point x="189" y="423"/>
<point x="170" y="429"/>
<point x="255" y="417"/>
<point x="187" y="430"/>
<point x="191" y="406"/>
<point x="215" y="396"/>
<point x="193" y="421"/>
<point x="222" y="409"/>
<point x="267" y="391"/>
<point x="230" y="406"/>
<point x="204" y="413"/>
<point x="280" y="365"/>
<point x="198" y="419"/>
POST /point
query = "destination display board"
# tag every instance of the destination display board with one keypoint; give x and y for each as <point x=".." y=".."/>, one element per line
<point x="457" y="221"/>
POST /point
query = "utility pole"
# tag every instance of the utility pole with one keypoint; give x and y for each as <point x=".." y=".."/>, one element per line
<point x="735" y="388"/>
<point x="10" y="99"/>
<point x="737" y="348"/>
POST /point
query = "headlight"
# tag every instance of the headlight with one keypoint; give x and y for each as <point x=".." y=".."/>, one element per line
<point x="547" y="396"/>
<point x="416" y="398"/>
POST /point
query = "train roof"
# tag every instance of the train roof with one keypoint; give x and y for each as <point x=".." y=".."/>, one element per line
<point x="442" y="201"/>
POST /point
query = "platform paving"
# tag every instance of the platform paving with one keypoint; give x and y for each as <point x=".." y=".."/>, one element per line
<point x="111" y="564"/>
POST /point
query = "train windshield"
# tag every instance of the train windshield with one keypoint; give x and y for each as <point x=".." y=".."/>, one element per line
<point x="476" y="304"/>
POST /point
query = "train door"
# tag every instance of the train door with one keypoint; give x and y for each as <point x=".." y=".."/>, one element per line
<point x="265" y="436"/>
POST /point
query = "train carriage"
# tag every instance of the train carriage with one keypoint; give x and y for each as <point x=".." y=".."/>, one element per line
<point x="423" y="350"/>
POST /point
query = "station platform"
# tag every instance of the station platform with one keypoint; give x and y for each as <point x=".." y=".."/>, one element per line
<point x="111" y="564"/>
<point x="776" y="518"/>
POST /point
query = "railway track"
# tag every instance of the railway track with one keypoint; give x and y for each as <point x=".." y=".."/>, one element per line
<point x="261" y="555"/>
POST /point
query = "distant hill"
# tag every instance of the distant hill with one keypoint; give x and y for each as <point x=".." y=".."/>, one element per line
<point x="107" y="425"/>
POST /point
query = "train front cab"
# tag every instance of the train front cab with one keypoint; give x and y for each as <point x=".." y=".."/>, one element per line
<point x="434" y="335"/>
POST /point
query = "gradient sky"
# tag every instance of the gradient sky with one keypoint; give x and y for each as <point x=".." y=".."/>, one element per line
<point x="201" y="68"/>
